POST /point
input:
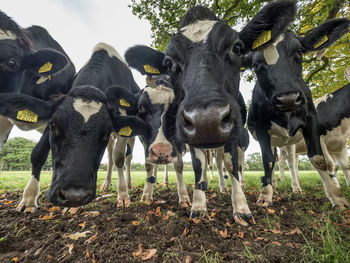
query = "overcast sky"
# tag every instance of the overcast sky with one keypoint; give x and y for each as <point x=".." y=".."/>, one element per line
<point x="78" y="25"/>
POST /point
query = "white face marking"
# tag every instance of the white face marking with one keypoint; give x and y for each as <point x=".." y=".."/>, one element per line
<point x="87" y="109"/>
<point x="122" y="111"/>
<point x="270" y="53"/>
<point x="110" y="50"/>
<point x="199" y="30"/>
<point x="7" y="35"/>
<point x="322" y="99"/>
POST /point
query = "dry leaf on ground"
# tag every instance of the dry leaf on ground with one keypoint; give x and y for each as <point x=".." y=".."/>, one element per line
<point x="77" y="235"/>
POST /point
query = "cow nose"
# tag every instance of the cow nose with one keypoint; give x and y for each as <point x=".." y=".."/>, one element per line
<point x="74" y="196"/>
<point x="161" y="153"/>
<point x="207" y="126"/>
<point x="288" y="101"/>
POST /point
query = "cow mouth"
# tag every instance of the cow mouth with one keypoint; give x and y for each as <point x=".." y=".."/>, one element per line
<point x="208" y="145"/>
<point x="71" y="197"/>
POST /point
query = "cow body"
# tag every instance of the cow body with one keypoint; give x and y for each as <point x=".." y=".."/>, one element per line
<point x="203" y="62"/>
<point x="333" y="115"/>
<point x="282" y="111"/>
<point x="24" y="54"/>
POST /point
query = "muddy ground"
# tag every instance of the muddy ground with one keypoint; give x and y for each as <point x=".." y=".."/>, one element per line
<point x="162" y="232"/>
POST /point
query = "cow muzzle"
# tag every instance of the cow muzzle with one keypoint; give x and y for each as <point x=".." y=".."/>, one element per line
<point x="212" y="125"/>
<point x="160" y="153"/>
<point x="288" y="101"/>
<point x="72" y="196"/>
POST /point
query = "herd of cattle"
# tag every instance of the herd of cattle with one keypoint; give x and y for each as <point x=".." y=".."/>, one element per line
<point x="192" y="101"/>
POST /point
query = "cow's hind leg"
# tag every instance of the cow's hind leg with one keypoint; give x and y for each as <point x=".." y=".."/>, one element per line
<point x="282" y="163"/>
<point x="293" y="169"/>
<point x="344" y="163"/>
<point x="129" y="149"/>
<point x="38" y="159"/>
<point x="184" y="199"/>
<point x="108" y="180"/>
<point x="219" y="162"/>
<point x="331" y="165"/>
<point x="147" y="195"/>
<point x="166" y="176"/>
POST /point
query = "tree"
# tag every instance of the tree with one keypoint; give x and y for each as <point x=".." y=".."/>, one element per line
<point x="254" y="162"/>
<point x="323" y="76"/>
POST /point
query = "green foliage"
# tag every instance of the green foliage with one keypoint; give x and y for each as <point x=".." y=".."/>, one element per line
<point x="323" y="76"/>
<point x="15" y="155"/>
<point x="254" y="162"/>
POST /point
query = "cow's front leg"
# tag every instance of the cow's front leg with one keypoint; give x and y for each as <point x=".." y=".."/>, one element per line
<point x="282" y="158"/>
<point x="219" y="161"/>
<point x="166" y="176"/>
<point x="147" y="195"/>
<point x="5" y="129"/>
<point x="331" y="165"/>
<point x="293" y="168"/>
<point x="317" y="160"/>
<point x="199" y="204"/>
<point x="241" y="211"/>
<point x="344" y="163"/>
<point x="241" y="166"/>
<point x="184" y="199"/>
<point x="119" y="158"/>
<point x="268" y="159"/>
<point x="38" y="159"/>
<point x="129" y="149"/>
<point x="108" y="180"/>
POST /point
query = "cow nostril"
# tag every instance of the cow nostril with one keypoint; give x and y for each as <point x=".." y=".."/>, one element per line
<point x="187" y="122"/>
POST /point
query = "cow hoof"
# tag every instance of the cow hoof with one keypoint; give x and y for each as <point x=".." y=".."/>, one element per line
<point x="243" y="219"/>
<point x="265" y="198"/>
<point x="146" y="199"/>
<point x="185" y="203"/>
<point x="297" y="190"/>
<point x="27" y="206"/>
<point x="123" y="201"/>
<point x="30" y="209"/>
<point x="106" y="187"/>
<point x="198" y="213"/>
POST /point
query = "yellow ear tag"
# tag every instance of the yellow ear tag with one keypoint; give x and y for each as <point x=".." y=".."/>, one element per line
<point x="47" y="67"/>
<point x="150" y="69"/>
<point x="322" y="41"/>
<point x="123" y="102"/>
<point x="125" y="131"/>
<point x="242" y="68"/>
<point x="27" y="115"/>
<point x="264" y="37"/>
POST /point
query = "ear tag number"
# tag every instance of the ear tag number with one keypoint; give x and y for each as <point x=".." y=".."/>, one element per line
<point x="124" y="103"/>
<point x="264" y="37"/>
<point x="150" y="69"/>
<point x="125" y="131"/>
<point x="323" y="40"/>
<point x="27" y="115"/>
<point x="46" y="68"/>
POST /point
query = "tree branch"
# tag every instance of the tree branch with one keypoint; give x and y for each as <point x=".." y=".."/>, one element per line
<point x="325" y="64"/>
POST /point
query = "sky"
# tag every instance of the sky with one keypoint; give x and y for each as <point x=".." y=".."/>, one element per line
<point x="78" y="25"/>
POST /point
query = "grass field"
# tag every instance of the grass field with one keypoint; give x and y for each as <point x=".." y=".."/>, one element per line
<point x="325" y="234"/>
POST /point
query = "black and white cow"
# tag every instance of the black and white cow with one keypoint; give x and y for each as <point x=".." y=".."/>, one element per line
<point x="333" y="115"/>
<point x="79" y="128"/>
<point x="31" y="63"/>
<point x="203" y="61"/>
<point x="282" y="111"/>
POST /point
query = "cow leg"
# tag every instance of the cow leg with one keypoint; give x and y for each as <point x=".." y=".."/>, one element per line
<point x="282" y="163"/>
<point x="129" y="148"/>
<point x="119" y="159"/>
<point x="344" y="163"/>
<point x="199" y="205"/>
<point x="5" y="129"/>
<point x="329" y="161"/>
<point x="317" y="160"/>
<point x="219" y="161"/>
<point x="293" y="168"/>
<point x="184" y="199"/>
<point x="108" y="180"/>
<point x="209" y="156"/>
<point x="241" y="165"/>
<point x="268" y="158"/>
<point x="241" y="211"/>
<point x="147" y="195"/>
<point x="155" y="173"/>
<point x="38" y="159"/>
<point x="166" y="179"/>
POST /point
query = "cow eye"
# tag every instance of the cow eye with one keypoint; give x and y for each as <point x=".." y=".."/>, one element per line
<point x="11" y="63"/>
<point x="168" y="63"/>
<point x="53" y="127"/>
<point x="237" y="49"/>
<point x="142" y="110"/>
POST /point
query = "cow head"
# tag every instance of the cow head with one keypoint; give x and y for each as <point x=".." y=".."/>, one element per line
<point x="39" y="73"/>
<point x="156" y="106"/>
<point x="281" y="81"/>
<point x="80" y="124"/>
<point x="203" y="61"/>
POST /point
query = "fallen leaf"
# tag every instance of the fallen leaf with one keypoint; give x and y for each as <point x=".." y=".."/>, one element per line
<point x="165" y="217"/>
<point x="70" y="248"/>
<point x="290" y="245"/>
<point x="82" y="225"/>
<point x="158" y="213"/>
<point x="87" y="254"/>
<point x="247" y="243"/>
<point x="116" y="229"/>
<point x="170" y="213"/>
<point x="196" y="220"/>
<point x="51" y="257"/>
<point x="73" y="210"/>
<point x="54" y="209"/>
<point x="241" y="234"/>
<point x="276" y="243"/>
<point x="93" y="259"/>
<point x="160" y="202"/>
<point x="77" y="235"/>
<point x="312" y="213"/>
<point x="185" y="232"/>
<point x="228" y="224"/>
<point x="296" y="230"/>
<point x="9" y="202"/>
<point x="276" y="231"/>
<point x="149" y="254"/>
<point x="249" y="192"/>
<point x="15" y="259"/>
<point x="92" y="213"/>
<point x="270" y="211"/>
<point x="188" y="259"/>
<point x="224" y="234"/>
<point x="37" y="253"/>
<point x="135" y="223"/>
<point x="138" y="252"/>
<point x="259" y="238"/>
<point x="47" y="217"/>
<point x="92" y="238"/>
<point x="213" y="195"/>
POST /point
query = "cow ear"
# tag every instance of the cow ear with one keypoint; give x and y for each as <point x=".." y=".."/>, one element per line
<point x="266" y="26"/>
<point x="120" y="100"/>
<point x="128" y="126"/>
<point x="25" y="108"/>
<point x="146" y="60"/>
<point x="326" y="34"/>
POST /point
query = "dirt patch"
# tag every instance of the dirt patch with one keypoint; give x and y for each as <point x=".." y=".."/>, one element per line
<point x="161" y="232"/>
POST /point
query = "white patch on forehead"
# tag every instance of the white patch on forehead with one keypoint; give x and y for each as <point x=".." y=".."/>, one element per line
<point x="122" y="111"/>
<point x="199" y="30"/>
<point x="7" y="35"/>
<point x="270" y="53"/>
<point x="87" y="109"/>
<point x="110" y="50"/>
<point x="161" y="95"/>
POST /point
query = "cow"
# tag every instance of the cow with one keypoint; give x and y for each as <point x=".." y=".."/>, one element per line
<point x="79" y="128"/>
<point x="31" y="63"/>
<point x="333" y="115"/>
<point x="203" y="61"/>
<point x="282" y="111"/>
